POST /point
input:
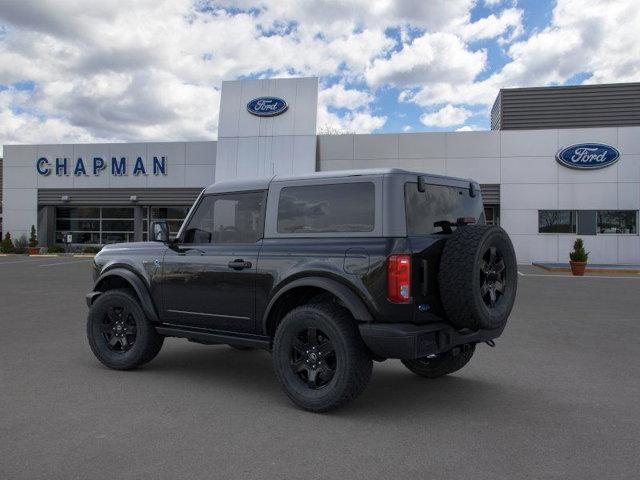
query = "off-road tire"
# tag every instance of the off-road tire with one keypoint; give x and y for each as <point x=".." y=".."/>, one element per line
<point x="148" y="341"/>
<point x="353" y="363"/>
<point x="461" y="272"/>
<point x="443" y="364"/>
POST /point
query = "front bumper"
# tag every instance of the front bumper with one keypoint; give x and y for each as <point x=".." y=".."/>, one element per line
<point x="408" y="341"/>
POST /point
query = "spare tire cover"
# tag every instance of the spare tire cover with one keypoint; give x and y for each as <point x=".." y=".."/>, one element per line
<point x="478" y="277"/>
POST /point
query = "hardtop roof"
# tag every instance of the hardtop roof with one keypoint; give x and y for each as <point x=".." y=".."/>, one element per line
<point x="263" y="183"/>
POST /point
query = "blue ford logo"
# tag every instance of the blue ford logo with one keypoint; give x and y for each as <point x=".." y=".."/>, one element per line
<point x="588" y="156"/>
<point x="267" y="106"/>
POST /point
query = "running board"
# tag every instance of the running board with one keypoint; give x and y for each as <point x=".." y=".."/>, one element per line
<point x="213" y="337"/>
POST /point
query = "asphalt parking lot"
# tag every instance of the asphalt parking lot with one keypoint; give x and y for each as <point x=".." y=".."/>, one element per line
<point x="559" y="397"/>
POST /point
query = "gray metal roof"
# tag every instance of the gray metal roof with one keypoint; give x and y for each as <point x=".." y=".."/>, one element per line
<point x="575" y="106"/>
<point x="264" y="182"/>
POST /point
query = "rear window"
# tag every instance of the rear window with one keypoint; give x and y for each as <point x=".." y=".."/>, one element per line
<point x="438" y="206"/>
<point x="343" y="207"/>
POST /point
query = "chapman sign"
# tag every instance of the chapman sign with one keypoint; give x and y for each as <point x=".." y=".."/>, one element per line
<point x="96" y="165"/>
<point x="588" y="156"/>
<point x="267" y="106"/>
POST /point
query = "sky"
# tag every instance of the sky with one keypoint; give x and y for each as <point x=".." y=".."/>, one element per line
<point x="76" y="71"/>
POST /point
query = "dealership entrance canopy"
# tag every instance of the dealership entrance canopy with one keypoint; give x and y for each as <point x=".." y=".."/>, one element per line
<point x="560" y="162"/>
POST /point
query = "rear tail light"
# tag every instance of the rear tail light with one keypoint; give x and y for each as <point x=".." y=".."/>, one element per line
<point x="399" y="278"/>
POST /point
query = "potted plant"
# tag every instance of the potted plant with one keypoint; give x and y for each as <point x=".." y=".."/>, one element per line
<point x="578" y="258"/>
<point x="7" y="244"/>
<point x="33" y="242"/>
<point x="21" y="245"/>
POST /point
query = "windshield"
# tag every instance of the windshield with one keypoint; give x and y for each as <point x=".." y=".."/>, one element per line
<point x="439" y="208"/>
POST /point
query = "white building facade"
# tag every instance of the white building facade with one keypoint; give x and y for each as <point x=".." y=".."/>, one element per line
<point x="100" y="193"/>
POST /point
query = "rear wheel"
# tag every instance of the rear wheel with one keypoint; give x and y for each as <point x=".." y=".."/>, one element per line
<point x="119" y="333"/>
<point x="320" y="358"/>
<point x="441" y="364"/>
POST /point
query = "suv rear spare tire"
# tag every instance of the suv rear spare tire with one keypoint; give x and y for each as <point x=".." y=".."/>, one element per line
<point x="478" y="277"/>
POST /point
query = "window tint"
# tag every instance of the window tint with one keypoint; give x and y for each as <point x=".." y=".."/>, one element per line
<point x="438" y="208"/>
<point x="618" y="221"/>
<point x="556" y="221"/>
<point x="344" y="207"/>
<point x="230" y="218"/>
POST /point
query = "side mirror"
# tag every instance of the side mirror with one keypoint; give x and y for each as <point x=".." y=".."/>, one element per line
<point x="160" y="232"/>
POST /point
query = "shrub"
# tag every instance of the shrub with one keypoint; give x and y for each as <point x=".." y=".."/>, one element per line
<point x="21" y="244"/>
<point x="579" y="254"/>
<point x="7" y="244"/>
<point x="33" y="238"/>
<point x="91" y="249"/>
<point x="56" y="249"/>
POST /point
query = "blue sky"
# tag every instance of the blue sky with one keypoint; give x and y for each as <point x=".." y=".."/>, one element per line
<point x="77" y="71"/>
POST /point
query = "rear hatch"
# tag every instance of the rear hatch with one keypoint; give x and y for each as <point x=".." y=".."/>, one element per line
<point x="434" y="209"/>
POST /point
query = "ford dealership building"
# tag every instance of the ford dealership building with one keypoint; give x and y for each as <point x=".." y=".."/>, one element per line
<point x="559" y="162"/>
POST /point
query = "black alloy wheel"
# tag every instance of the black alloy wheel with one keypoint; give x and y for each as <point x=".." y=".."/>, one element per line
<point x="492" y="279"/>
<point x="319" y="357"/>
<point x="119" y="333"/>
<point x="313" y="357"/>
<point x="119" y="329"/>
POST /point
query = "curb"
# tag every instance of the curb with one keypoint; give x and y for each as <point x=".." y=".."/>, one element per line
<point x="588" y="269"/>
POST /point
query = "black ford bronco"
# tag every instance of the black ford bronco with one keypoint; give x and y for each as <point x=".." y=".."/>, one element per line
<point x="328" y="272"/>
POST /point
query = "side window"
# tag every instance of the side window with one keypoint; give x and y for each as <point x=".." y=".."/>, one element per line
<point x="342" y="207"/>
<point x="227" y="218"/>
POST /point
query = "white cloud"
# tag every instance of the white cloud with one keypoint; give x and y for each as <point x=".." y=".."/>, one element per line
<point x="351" y="122"/>
<point x="433" y="57"/>
<point x="447" y="116"/>
<point x="509" y="20"/>
<point x="407" y="128"/>
<point x="469" y="128"/>
<point x="338" y="96"/>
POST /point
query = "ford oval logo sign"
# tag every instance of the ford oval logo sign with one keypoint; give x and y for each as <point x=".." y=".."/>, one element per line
<point x="588" y="156"/>
<point x="267" y="106"/>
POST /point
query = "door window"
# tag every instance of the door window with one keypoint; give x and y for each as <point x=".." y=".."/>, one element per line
<point x="228" y="218"/>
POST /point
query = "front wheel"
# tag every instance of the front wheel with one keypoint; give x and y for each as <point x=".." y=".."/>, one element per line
<point x="441" y="364"/>
<point x="320" y="358"/>
<point x="119" y="333"/>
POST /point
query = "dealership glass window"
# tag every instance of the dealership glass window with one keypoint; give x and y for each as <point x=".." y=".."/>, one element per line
<point x="174" y="216"/>
<point x="556" y="221"/>
<point x="94" y="225"/>
<point x="344" y="207"/>
<point x="228" y="218"/>
<point x="618" y="221"/>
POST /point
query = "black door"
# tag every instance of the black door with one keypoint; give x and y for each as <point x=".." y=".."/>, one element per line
<point x="209" y="274"/>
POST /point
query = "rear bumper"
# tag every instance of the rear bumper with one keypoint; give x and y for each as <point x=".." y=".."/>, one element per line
<point x="408" y="341"/>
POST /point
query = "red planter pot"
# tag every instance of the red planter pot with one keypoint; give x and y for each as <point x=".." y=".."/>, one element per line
<point x="578" y="268"/>
<point x="34" y="250"/>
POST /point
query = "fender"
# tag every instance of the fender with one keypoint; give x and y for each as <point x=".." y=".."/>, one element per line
<point x="136" y="283"/>
<point x="350" y="299"/>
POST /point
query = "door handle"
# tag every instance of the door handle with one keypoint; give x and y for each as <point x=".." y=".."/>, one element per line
<point x="239" y="264"/>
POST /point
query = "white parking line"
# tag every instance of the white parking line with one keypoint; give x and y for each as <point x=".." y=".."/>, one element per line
<point x="64" y="263"/>
<point x="572" y="276"/>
